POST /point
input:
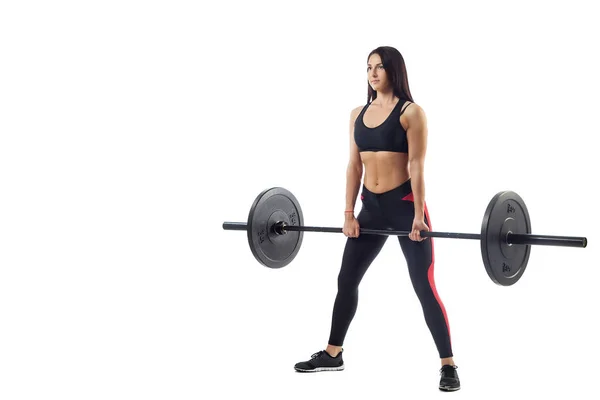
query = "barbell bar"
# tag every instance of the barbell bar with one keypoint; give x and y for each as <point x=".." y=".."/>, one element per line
<point x="511" y="238"/>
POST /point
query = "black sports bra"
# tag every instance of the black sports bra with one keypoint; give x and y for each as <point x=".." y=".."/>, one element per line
<point x="389" y="136"/>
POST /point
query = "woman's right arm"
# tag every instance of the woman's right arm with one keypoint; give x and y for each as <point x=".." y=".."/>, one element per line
<point x="354" y="171"/>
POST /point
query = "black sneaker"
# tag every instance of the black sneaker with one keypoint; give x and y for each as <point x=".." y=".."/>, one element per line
<point x="449" y="381"/>
<point x="321" y="361"/>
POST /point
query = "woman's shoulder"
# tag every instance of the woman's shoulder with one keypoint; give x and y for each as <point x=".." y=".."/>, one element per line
<point x="356" y="111"/>
<point x="412" y="110"/>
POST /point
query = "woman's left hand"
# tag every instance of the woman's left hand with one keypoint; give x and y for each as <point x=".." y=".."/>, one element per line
<point x="418" y="226"/>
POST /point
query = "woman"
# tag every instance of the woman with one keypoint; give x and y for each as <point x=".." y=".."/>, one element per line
<point x="389" y="137"/>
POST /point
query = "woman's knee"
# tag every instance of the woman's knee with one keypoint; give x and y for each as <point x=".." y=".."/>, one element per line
<point x="419" y="277"/>
<point x="348" y="282"/>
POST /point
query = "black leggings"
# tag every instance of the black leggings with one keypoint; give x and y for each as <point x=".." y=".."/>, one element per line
<point x="393" y="209"/>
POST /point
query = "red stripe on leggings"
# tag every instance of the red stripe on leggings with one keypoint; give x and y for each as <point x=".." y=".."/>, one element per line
<point x="410" y="197"/>
<point x="431" y="278"/>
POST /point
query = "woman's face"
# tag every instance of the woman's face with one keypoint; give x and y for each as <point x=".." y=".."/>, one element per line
<point x="376" y="74"/>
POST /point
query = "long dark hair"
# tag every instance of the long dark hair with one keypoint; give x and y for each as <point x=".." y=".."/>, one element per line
<point x="394" y="66"/>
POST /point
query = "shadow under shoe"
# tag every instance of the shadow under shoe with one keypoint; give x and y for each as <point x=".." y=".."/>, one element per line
<point x="449" y="381"/>
<point x="321" y="361"/>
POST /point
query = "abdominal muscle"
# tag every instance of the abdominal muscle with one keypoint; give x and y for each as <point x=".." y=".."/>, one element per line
<point x="384" y="170"/>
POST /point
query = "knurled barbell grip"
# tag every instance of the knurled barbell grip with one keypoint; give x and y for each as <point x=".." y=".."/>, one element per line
<point x="282" y="227"/>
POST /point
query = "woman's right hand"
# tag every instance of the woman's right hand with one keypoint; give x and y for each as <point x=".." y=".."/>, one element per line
<point x="351" y="227"/>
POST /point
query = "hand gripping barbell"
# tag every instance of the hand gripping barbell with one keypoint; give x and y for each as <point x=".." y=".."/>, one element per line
<point x="275" y="230"/>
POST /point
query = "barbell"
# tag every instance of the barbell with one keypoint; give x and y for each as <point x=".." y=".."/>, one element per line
<point x="275" y="228"/>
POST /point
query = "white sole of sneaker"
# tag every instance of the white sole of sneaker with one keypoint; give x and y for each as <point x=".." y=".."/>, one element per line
<point x="320" y="369"/>
<point x="448" y="389"/>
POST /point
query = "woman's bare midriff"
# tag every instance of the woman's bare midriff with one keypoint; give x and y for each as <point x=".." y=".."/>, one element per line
<point x="384" y="170"/>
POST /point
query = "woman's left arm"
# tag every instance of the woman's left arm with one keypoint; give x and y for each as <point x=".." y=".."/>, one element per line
<point x="417" y="148"/>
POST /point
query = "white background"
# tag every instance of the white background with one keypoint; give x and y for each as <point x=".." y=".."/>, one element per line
<point x="130" y="131"/>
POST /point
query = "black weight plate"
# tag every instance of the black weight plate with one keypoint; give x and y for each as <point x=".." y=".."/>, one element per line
<point x="504" y="263"/>
<point x="269" y="248"/>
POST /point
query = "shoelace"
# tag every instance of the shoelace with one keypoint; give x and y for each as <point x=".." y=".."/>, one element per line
<point x="449" y="370"/>
<point x="317" y="354"/>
